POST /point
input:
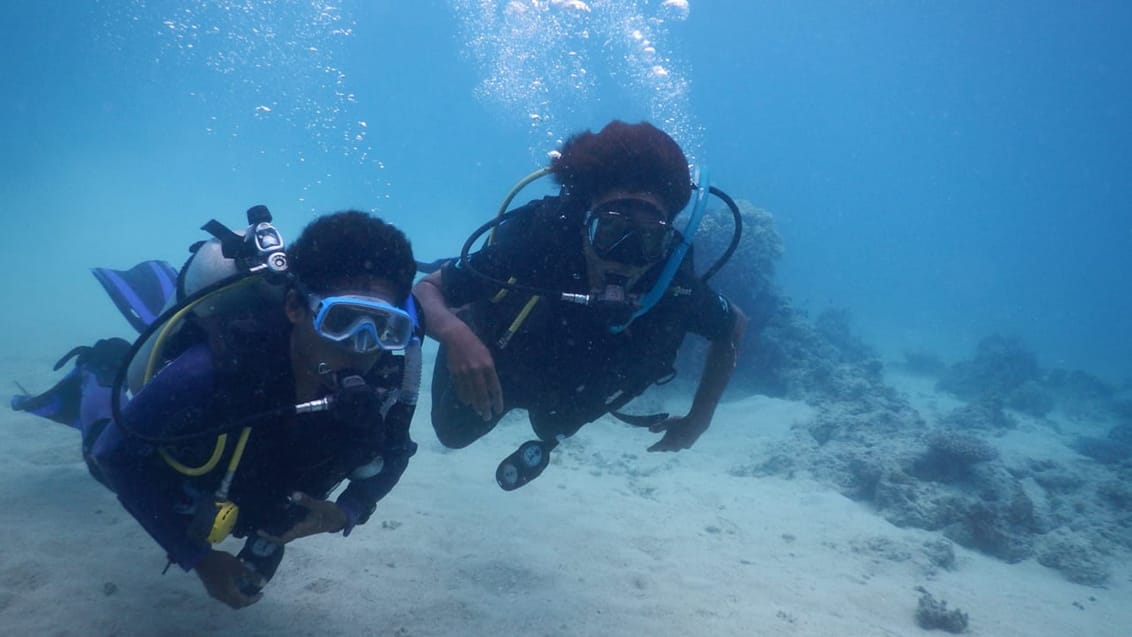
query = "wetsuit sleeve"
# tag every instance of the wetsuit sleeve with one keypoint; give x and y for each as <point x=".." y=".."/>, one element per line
<point x="360" y="498"/>
<point x="147" y="488"/>
<point x="712" y="315"/>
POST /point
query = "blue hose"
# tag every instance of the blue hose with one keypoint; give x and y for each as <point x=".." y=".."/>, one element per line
<point x="698" y="205"/>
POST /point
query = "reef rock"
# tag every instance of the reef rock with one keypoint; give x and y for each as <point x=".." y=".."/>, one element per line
<point x="1001" y="365"/>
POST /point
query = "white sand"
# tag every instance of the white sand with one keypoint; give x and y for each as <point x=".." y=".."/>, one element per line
<point x="609" y="541"/>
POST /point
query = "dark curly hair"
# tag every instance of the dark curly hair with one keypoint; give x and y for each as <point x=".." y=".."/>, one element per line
<point x="351" y="244"/>
<point x="622" y="156"/>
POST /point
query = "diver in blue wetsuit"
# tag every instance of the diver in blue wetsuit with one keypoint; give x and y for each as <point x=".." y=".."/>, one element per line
<point x="279" y="375"/>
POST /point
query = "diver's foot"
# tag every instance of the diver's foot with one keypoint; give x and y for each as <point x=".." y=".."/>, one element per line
<point x="103" y="359"/>
<point x="63" y="402"/>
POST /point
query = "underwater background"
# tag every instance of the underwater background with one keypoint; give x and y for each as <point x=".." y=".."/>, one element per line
<point x="943" y="171"/>
<point x="936" y="246"/>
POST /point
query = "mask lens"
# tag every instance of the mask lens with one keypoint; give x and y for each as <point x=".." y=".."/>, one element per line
<point x="339" y="319"/>
<point x="621" y="236"/>
<point x="608" y="230"/>
<point x="366" y="324"/>
<point x="654" y="240"/>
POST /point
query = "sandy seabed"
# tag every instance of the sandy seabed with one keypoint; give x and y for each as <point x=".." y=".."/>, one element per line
<point x="611" y="540"/>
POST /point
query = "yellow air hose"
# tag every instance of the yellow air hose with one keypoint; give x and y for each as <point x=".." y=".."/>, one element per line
<point x="522" y="316"/>
<point x="522" y="183"/>
<point x="151" y="369"/>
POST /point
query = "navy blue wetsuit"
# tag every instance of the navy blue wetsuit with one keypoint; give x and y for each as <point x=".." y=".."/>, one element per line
<point x="563" y="365"/>
<point x="312" y="453"/>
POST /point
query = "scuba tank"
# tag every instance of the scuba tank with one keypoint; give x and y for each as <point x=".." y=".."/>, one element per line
<point x="229" y="274"/>
<point x="232" y="273"/>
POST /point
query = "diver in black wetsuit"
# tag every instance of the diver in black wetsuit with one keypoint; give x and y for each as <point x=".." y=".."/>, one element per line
<point x="579" y="303"/>
<point x="249" y="415"/>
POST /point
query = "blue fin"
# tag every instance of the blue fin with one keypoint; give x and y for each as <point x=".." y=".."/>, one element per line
<point x="71" y="401"/>
<point x="61" y="403"/>
<point x="141" y="292"/>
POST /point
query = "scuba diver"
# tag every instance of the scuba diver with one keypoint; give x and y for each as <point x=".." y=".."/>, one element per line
<point x="263" y="378"/>
<point x="577" y="303"/>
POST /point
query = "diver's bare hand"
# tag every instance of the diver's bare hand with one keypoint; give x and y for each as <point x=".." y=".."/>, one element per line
<point x="679" y="433"/>
<point x="473" y="372"/>
<point x="322" y="516"/>
<point x="221" y="574"/>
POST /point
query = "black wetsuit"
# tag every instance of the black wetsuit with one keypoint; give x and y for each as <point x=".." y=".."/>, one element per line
<point x="201" y="389"/>
<point x="564" y="365"/>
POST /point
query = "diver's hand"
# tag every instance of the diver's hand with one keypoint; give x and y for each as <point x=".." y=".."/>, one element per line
<point x="322" y="516"/>
<point x="679" y="433"/>
<point x="221" y="574"/>
<point x="473" y="372"/>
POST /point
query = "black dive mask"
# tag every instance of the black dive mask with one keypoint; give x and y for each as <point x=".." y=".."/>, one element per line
<point x="629" y="231"/>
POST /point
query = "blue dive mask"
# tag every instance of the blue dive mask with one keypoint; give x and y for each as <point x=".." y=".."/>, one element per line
<point x="362" y="323"/>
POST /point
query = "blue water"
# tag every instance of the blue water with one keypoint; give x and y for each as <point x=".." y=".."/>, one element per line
<point x="943" y="170"/>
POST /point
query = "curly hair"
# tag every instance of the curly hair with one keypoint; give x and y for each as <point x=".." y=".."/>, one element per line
<point x="351" y="244"/>
<point x="634" y="157"/>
